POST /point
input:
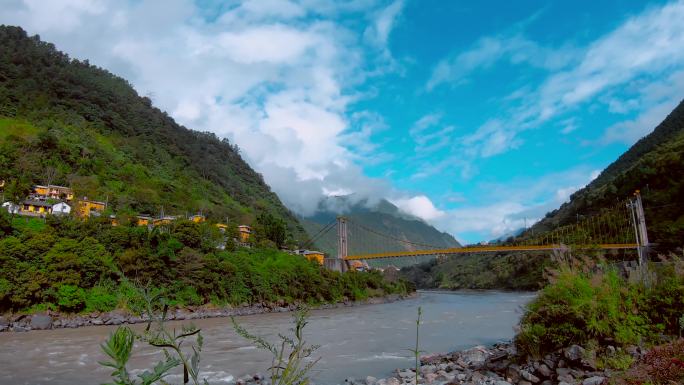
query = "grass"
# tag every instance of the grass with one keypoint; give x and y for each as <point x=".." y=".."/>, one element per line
<point x="28" y="223"/>
<point x="16" y="127"/>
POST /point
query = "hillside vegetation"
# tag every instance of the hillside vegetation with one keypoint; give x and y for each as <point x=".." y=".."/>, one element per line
<point x="72" y="265"/>
<point x="66" y="122"/>
<point x="654" y="165"/>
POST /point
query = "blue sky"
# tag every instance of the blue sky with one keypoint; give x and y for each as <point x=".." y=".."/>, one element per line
<point x="477" y="117"/>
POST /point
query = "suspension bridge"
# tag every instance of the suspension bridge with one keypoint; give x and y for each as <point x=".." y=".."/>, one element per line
<point x="621" y="227"/>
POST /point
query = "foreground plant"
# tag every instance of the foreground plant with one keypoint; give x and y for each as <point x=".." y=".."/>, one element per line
<point x="119" y="346"/>
<point x="289" y="365"/>
<point x="416" y="351"/>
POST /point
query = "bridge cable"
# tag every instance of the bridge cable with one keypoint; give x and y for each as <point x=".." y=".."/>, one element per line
<point x="394" y="238"/>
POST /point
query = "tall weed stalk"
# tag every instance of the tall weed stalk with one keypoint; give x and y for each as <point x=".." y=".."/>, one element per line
<point x="289" y="364"/>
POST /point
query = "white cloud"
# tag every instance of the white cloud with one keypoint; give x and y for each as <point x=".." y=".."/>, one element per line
<point x="261" y="73"/>
<point x="419" y="206"/>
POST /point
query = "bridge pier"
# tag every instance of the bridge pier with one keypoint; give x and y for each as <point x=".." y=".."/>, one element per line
<point x="336" y="264"/>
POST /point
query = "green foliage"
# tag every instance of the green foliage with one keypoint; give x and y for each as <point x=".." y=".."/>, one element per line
<point x="70" y="297"/>
<point x="518" y="271"/>
<point x="620" y="360"/>
<point x="654" y="166"/>
<point x="289" y="364"/>
<point x="579" y="308"/>
<point x="90" y="266"/>
<point x="106" y="142"/>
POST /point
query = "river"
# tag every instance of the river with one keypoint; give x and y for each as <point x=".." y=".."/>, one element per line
<point x="355" y="341"/>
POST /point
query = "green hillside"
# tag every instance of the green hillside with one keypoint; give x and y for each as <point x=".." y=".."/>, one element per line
<point x="66" y="122"/>
<point x="382" y="217"/>
<point x="654" y="165"/>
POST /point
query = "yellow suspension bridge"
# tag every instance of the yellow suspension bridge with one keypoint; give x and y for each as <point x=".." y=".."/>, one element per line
<point x="621" y="227"/>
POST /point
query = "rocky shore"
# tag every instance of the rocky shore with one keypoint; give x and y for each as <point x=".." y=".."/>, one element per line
<point x="499" y="365"/>
<point x="496" y="365"/>
<point x="55" y="320"/>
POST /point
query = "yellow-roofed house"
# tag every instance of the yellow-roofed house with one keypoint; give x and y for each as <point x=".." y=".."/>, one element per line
<point x="87" y="208"/>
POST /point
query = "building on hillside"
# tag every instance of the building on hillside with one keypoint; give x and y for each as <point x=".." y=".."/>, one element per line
<point x="54" y="192"/>
<point x="61" y="208"/>
<point x="32" y="207"/>
<point x="2" y="184"/>
<point x="143" y="220"/>
<point x="11" y="207"/>
<point x="165" y="220"/>
<point x="87" y="208"/>
<point x="198" y="218"/>
<point x="311" y="255"/>
<point x="244" y="232"/>
<point x="113" y="220"/>
<point x="222" y="227"/>
<point x="359" y="266"/>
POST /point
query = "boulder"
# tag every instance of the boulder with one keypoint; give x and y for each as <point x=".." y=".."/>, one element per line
<point x="529" y="376"/>
<point x="574" y="353"/>
<point x="513" y="373"/>
<point x="430" y="377"/>
<point x="595" y="380"/>
<point x="475" y="356"/>
<point x="41" y="322"/>
<point x="502" y="383"/>
<point x="370" y="380"/>
<point x="524" y="382"/>
<point x="393" y="381"/>
<point x="544" y="371"/>
<point x="406" y="374"/>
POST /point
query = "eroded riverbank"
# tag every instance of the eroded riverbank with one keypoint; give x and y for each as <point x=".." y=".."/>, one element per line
<point x="355" y="341"/>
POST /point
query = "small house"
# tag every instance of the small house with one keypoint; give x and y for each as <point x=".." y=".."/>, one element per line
<point x="87" y="208"/>
<point x="143" y="220"/>
<point x="313" y="255"/>
<point x="35" y="207"/>
<point x="198" y="218"/>
<point x="61" y="208"/>
<point x="244" y="232"/>
<point x="54" y="192"/>
<point x="222" y="227"/>
<point x="11" y="207"/>
<point x="164" y="221"/>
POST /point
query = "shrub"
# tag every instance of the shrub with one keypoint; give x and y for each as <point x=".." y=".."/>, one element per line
<point x="70" y="298"/>
<point x="100" y="298"/>
<point x="663" y="365"/>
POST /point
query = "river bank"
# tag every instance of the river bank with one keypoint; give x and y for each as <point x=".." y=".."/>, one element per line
<point x="56" y="320"/>
<point x="495" y="365"/>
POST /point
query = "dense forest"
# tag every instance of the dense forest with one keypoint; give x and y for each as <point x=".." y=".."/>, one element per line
<point x="67" y="264"/>
<point x="654" y="165"/>
<point x="66" y="122"/>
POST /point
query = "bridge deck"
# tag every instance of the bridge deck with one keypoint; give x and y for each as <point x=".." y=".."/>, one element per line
<point x="486" y="249"/>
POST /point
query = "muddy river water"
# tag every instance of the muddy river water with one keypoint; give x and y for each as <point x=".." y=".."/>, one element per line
<point x="355" y="341"/>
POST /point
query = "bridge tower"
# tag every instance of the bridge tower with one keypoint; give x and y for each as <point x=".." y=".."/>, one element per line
<point x="339" y="263"/>
<point x="639" y="219"/>
<point x="342" y="250"/>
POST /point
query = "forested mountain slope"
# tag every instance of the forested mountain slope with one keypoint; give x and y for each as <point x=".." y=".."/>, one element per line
<point x="67" y="122"/>
<point x="655" y="166"/>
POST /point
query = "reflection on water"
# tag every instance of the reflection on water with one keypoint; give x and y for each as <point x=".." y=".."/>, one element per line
<point x="355" y="342"/>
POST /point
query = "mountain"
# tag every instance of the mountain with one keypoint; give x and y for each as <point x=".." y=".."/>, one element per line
<point x="369" y="219"/>
<point x="66" y="122"/>
<point x="655" y="166"/>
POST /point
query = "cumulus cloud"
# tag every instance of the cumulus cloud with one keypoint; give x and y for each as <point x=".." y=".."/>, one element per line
<point x="275" y="77"/>
<point x="419" y="206"/>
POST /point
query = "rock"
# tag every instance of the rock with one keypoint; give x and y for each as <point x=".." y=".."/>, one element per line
<point x="475" y="356"/>
<point x="502" y="383"/>
<point x="430" y="377"/>
<point x="258" y="377"/>
<point x="547" y="382"/>
<point x="523" y="382"/>
<point x="97" y="321"/>
<point x="393" y="381"/>
<point x="529" y="376"/>
<point x="565" y="383"/>
<point x="544" y="371"/>
<point x="513" y="373"/>
<point x="406" y="374"/>
<point x="595" y="380"/>
<point x="370" y="380"/>
<point x="19" y="328"/>
<point x="41" y="322"/>
<point x="574" y="353"/>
